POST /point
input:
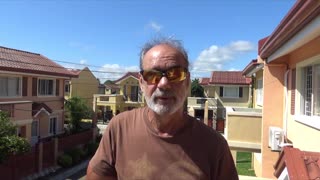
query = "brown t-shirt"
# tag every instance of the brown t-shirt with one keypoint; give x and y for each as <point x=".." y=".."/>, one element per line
<point x="131" y="149"/>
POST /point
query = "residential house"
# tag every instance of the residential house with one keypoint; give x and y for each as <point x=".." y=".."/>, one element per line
<point x="254" y="70"/>
<point x="290" y="129"/>
<point x="230" y="88"/>
<point x="84" y="86"/>
<point x="124" y="94"/>
<point x="32" y="92"/>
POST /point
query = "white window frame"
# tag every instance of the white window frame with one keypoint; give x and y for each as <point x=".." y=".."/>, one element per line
<point x="312" y="121"/>
<point x="259" y="92"/>
<point x="19" y="94"/>
<point x="225" y="88"/>
<point x="50" y="128"/>
<point x="53" y="86"/>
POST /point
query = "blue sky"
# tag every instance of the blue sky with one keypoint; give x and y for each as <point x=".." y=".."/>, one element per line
<point x="107" y="35"/>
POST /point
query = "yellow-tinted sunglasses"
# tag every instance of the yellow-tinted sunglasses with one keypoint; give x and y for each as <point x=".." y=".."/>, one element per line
<point x="174" y="74"/>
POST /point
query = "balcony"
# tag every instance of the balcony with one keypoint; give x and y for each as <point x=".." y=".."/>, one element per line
<point x="199" y="102"/>
<point x="111" y="99"/>
<point x="243" y="129"/>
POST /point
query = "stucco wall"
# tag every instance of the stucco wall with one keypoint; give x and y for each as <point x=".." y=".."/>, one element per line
<point x="244" y="127"/>
<point x="84" y="86"/>
<point x="304" y="137"/>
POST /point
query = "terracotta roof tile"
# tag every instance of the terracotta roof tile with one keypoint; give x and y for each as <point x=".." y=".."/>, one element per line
<point x="36" y="107"/>
<point x="300" y="164"/>
<point x="253" y="63"/>
<point x="128" y="74"/>
<point x="229" y="77"/>
<point x="28" y="62"/>
<point x="204" y="81"/>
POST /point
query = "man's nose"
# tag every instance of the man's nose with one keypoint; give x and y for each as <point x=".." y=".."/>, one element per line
<point x="164" y="83"/>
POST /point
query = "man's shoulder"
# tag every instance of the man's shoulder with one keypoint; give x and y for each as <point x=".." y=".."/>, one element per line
<point x="133" y="112"/>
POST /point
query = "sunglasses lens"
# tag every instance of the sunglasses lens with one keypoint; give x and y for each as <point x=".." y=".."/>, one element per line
<point x="152" y="77"/>
<point x="175" y="74"/>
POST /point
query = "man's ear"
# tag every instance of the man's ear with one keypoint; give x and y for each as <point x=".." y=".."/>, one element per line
<point x="141" y="83"/>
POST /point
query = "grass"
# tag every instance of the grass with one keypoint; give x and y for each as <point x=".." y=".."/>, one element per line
<point x="244" y="164"/>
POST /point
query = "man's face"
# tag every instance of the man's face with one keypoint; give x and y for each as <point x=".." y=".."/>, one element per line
<point x="163" y="96"/>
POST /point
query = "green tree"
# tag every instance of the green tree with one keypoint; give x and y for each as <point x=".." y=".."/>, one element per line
<point x="77" y="110"/>
<point x="10" y="143"/>
<point x="108" y="82"/>
<point x="196" y="89"/>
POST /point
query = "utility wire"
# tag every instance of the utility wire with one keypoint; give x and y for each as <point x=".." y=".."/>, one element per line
<point x="57" y="67"/>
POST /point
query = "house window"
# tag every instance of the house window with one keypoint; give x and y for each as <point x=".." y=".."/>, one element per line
<point x="134" y="93"/>
<point x="230" y="92"/>
<point x="259" y="92"/>
<point x="310" y="104"/>
<point x="10" y="86"/>
<point x="307" y="94"/>
<point x="53" y="125"/>
<point x="67" y="87"/>
<point x="46" y="87"/>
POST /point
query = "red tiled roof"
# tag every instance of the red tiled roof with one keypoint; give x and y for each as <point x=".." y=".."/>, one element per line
<point x="229" y="77"/>
<point x="252" y="65"/>
<point x="22" y="61"/>
<point x="204" y="81"/>
<point x="76" y="71"/>
<point x="299" y="16"/>
<point x="36" y="107"/>
<point x="300" y="164"/>
<point x="128" y="74"/>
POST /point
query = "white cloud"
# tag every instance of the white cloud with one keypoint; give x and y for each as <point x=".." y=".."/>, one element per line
<point x="114" y="71"/>
<point x="155" y="26"/>
<point x="83" y="61"/>
<point x="215" y="57"/>
<point x="234" y="69"/>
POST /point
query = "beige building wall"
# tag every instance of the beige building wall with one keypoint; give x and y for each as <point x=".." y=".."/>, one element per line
<point x="238" y="124"/>
<point x="302" y="136"/>
<point x="85" y="86"/>
<point x="23" y="107"/>
<point x="126" y="86"/>
<point x="272" y="114"/>
<point x="214" y="91"/>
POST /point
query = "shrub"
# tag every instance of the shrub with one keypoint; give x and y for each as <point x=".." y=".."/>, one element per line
<point x="75" y="155"/>
<point x="10" y="143"/>
<point x="65" y="160"/>
<point x="92" y="147"/>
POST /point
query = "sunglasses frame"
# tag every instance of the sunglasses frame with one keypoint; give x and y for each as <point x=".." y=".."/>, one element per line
<point x="164" y="74"/>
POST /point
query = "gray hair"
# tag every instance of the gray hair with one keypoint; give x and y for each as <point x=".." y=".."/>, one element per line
<point x="163" y="40"/>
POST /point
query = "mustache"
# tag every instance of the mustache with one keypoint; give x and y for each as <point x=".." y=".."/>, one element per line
<point x="163" y="93"/>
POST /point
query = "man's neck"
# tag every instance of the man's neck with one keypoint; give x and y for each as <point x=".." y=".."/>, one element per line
<point x="167" y="125"/>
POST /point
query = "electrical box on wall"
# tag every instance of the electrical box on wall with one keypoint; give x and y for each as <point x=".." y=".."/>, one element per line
<point x="275" y="138"/>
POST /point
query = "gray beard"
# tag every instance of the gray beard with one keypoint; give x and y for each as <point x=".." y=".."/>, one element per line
<point x="163" y="109"/>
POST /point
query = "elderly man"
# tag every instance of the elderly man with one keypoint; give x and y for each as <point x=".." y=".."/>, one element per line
<point x="161" y="141"/>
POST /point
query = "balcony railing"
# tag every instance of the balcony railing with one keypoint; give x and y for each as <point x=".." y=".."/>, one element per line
<point x="200" y="102"/>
